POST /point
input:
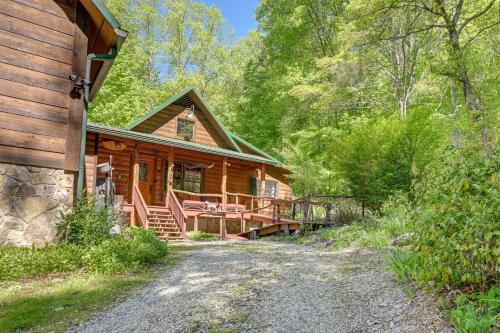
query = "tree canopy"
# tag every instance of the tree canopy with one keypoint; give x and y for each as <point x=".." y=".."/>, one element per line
<point x="320" y="82"/>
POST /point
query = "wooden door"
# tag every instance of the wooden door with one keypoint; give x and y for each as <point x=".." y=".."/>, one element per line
<point x="146" y="178"/>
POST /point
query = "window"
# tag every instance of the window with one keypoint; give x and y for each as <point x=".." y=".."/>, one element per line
<point x="185" y="129"/>
<point x="271" y="189"/>
<point x="143" y="171"/>
<point x="185" y="178"/>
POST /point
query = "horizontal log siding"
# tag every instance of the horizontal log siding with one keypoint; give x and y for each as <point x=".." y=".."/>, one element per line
<point x="238" y="171"/>
<point x="36" y="57"/>
<point x="164" y="123"/>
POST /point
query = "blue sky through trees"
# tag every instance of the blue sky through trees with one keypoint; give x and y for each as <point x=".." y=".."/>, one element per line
<point x="240" y="14"/>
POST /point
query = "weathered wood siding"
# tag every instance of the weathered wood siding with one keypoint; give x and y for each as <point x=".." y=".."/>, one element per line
<point x="39" y="121"/>
<point x="164" y="123"/>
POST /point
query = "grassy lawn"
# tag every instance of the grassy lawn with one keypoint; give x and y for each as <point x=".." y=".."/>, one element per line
<point x="56" y="302"/>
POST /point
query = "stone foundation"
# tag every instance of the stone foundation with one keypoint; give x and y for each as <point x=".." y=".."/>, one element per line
<point x="31" y="199"/>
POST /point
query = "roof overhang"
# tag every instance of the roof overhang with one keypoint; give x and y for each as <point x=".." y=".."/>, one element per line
<point x="108" y="34"/>
<point x="151" y="138"/>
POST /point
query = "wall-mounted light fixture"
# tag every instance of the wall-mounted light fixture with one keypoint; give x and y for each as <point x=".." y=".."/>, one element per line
<point x="190" y="115"/>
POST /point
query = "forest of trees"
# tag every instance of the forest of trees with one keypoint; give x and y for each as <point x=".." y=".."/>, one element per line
<point x="321" y="79"/>
<point x="391" y="101"/>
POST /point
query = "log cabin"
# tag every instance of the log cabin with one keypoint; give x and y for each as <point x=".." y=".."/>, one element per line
<point x="53" y="55"/>
<point x="178" y="169"/>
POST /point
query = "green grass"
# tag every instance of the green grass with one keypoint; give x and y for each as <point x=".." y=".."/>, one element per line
<point x="201" y="236"/>
<point x="58" y="301"/>
<point x="358" y="234"/>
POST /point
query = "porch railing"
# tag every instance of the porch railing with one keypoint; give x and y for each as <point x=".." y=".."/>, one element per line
<point x="177" y="211"/>
<point x="140" y="206"/>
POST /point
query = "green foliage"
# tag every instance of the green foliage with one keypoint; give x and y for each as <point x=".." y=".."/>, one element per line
<point x="25" y="262"/>
<point x="457" y="216"/>
<point x="201" y="236"/>
<point x="54" y="304"/>
<point x="385" y="155"/>
<point x="135" y="248"/>
<point x="85" y="224"/>
<point x="477" y="313"/>
<point x="406" y="265"/>
<point x="365" y="234"/>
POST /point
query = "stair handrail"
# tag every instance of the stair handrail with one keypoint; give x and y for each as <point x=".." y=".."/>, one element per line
<point x="177" y="211"/>
<point x="140" y="206"/>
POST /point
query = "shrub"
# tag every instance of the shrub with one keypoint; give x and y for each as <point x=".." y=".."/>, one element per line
<point x="477" y="313"/>
<point x="385" y="155"/>
<point x="456" y="222"/>
<point x="85" y="224"/>
<point x="396" y="214"/>
<point x="20" y="262"/>
<point x="136" y="247"/>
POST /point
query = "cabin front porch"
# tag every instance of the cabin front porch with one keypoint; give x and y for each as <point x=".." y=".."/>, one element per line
<point x="174" y="190"/>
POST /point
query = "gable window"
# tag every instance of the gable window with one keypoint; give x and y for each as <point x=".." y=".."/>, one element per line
<point x="270" y="190"/>
<point x="185" y="129"/>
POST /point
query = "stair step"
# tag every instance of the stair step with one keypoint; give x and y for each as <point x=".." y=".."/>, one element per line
<point x="155" y="224"/>
<point x="154" y="216"/>
<point x="166" y="229"/>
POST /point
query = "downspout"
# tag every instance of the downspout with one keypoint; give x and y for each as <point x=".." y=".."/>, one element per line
<point x="86" y="90"/>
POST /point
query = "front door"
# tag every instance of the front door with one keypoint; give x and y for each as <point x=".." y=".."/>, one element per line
<point x="146" y="178"/>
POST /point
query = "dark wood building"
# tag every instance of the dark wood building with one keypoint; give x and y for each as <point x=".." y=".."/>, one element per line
<point x="44" y="46"/>
<point x="178" y="169"/>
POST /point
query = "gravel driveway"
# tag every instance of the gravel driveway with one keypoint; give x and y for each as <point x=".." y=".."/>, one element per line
<point x="272" y="287"/>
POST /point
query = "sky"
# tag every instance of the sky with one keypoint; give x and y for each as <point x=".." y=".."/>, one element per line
<point x="240" y="14"/>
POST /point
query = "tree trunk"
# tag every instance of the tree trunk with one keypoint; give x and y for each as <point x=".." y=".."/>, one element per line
<point x="462" y="75"/>
<point x="454" y="113"/>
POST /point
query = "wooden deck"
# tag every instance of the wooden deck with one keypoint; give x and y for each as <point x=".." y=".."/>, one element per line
<point x="285" y="227"/>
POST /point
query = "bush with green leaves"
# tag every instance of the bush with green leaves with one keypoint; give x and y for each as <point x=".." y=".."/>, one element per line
<point x="137" y="247"/>
<point x="477" y="313"/>
<point x="85" y="224"/>
<point x="457" y="219"/>
<point x="385" y="155"/>
<point x="26" y="262"/>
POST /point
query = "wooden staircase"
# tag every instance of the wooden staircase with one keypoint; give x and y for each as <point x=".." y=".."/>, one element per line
<point x="161" y="220"/>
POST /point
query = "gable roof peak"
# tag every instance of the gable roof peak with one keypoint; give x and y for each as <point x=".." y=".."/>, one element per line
<point x="194" y="92"/>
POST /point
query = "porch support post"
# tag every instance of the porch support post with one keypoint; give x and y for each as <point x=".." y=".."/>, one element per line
<point x="224" y="184"/>
<point x="242" y="223"/>
<point x="195" y="223"/>
<point x="223" y="226"/>
<point x="170" y="175"/>
<point x="262" y="187"/>
<point x="135" y="182"/>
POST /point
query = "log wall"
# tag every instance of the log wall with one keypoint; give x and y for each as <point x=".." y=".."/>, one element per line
<point x="164" y="123"/>
<point x="238" y="171"/>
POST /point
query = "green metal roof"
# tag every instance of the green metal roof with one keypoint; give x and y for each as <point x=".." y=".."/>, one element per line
<point x="121" y="35"/>
<point x="171" y="100"/>
<point x="259" y="151"/>
<point x="106" y="13"/>
<point x="128" y="134"/>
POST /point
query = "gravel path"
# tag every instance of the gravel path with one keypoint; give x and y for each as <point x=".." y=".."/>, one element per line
<point x="272" y="287"/>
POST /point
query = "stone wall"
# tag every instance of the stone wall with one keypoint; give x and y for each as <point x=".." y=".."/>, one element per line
<point x="31" y="199"/>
